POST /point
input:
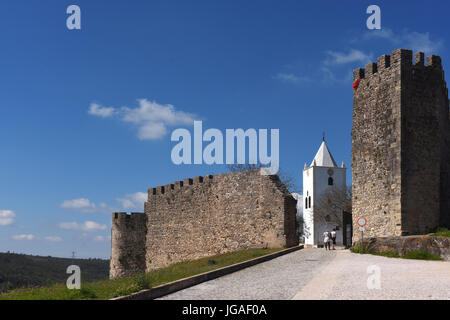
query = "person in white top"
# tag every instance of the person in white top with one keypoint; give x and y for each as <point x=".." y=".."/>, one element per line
<point x="326" y="240"/>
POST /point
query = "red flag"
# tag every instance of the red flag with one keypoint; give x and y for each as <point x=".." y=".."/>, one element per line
<point x="356" y="84"/>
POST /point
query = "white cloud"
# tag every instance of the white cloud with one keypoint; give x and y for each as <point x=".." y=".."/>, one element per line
<point x="99" y="238"/>
<point x="416" y="41"/>
<point x="86" y="206"/>
<point x="23" y="237"/>
<point x="6" y="217"/>
<point x="86" y="226"/>
<point x="151" y="118"/>
<point x="421" y="42"/>
<point x="91" y="226"/>
<point x="80" y="203"/>
<point x="133" y="201"/>
<point x="384" y="33"/>
<point x="69" y="225"/>
<point x="53" y="239"/>
<point x="336" y="58"/>
<point x="152" y="111"/>
<point x="334" y="65"/>
<point x="98" y="110"/>
<point x="335" y="68"/>
<point x="329" y="76"/>
<point x="127" y="202"/>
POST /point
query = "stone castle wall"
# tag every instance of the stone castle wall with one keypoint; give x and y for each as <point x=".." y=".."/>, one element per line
<point x="210" y="215"/>
<point x="128" y="244"/>
<point x="400" y="145"/>
<point x="206" y="216"/>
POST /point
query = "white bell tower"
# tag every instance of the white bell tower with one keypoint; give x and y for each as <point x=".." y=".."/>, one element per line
<point x="323" y="179"/>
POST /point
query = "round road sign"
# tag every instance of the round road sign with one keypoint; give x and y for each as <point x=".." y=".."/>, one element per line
<point x="362" y="221"/>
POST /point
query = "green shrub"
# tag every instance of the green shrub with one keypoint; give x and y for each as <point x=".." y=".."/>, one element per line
<point x="357" y="249"/>
<point x="442" y="232"/>
<point x="84" y="293"/>
<point x="388" y="254"/>
<point x="137" y="283"/>
<point x="417" y="254"/>
<point x="126" y="291"/>
<point x="421" y="255"/>
<point x="143" y="282"/>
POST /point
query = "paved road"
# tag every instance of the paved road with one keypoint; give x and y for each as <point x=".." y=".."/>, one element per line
<point x="348" y="275"/>
<point x="280" y="278"/>
<point x="320" y="274"/>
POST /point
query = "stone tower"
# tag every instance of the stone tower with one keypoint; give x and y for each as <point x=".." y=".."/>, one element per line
<point x="400" y="146"/>
<point x="128" y="234"/>
<point x="323" y="178"/>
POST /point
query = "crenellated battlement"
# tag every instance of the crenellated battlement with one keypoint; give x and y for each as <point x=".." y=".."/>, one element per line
<point x="178" y="185"/>
<point x="400" y="144"/>
<point x="399" y="60"/>
<point x="203" y="216"/>
<point x="208" y="215"/>
<point x="130" y="216"/>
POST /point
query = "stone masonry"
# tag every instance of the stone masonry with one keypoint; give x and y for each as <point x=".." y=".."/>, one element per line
<point x="202" y="217"/>
<point x="400" y="146"/>
<point x="128" y="243"/>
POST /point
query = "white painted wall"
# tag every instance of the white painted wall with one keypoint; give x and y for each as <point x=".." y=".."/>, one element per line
<point x="315" y="184"/>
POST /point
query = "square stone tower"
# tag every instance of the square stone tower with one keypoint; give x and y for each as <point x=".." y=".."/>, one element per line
<point x="400" y="146"/>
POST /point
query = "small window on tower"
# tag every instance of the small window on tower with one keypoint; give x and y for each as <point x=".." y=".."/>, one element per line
<point x="330" y="181"/>
<point x="309" y="202"/>
<point x="306" y="203"/>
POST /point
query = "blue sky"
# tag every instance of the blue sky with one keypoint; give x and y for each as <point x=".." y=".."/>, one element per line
<point x="86" y="115"/>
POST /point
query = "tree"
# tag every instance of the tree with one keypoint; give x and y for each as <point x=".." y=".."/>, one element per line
<point x="329" y="206"/>
<point x="287" y="179"/>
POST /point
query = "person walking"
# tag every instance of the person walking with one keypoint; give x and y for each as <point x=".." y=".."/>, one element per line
<point x="326" y="240"/>
<point x="333" y="238"/>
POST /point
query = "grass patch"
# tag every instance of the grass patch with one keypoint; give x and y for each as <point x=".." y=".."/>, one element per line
<point x="421" y="255"/>
<point x="442" y="232"/>
<point x="388" y="254"/>
<point x="357" y="249"/>
<point x="102" y="289"/>
<point x="417" y="254"/>
<point x="106" y="289"/>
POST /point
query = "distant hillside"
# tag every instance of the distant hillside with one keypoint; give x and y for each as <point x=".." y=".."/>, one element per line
<point x="20" y="270"/>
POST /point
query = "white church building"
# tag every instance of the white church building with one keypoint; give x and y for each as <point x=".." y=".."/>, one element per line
<point x="323" y="179"/>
